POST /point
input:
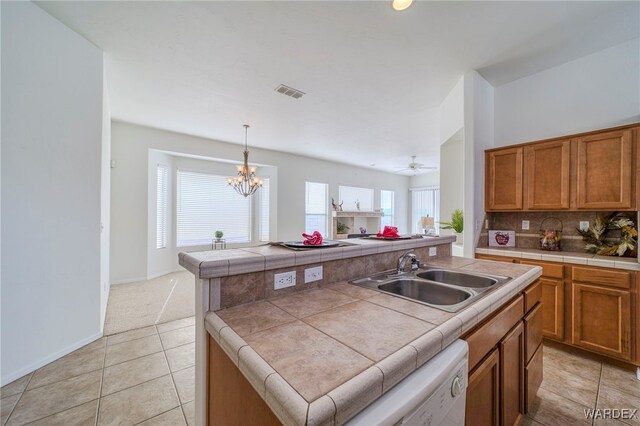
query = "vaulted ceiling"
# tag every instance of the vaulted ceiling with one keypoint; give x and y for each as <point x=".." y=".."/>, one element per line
<point x="373" y="78"/>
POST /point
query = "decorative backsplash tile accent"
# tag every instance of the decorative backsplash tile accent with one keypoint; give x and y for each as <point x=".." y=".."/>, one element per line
<point x="529" y="238"/>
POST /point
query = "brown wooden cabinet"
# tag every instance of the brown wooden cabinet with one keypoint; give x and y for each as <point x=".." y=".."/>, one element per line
<point x="546" y="171"/>
<point x="590" y="171"/>
<point x="605" y="170"/>
<point x="588" y="307"/>
<point x="601" y="319"/>
<point x="504" y="179"/>
<point x="483" y="392"/>
<point x="552" y="308"/>
<point x="512" y="376"/>
<point x="498" y="389"/>
<point x="553" y="300"/>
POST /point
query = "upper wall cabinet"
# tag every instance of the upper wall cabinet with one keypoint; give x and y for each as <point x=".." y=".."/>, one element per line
<point x="504" y="179"/>
<point x="546" y="184"/>
<point x="605" y="171"/>
<point x="595" y="171"/>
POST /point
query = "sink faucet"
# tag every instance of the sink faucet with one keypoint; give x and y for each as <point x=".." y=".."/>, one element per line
<point x="402" y="260"/>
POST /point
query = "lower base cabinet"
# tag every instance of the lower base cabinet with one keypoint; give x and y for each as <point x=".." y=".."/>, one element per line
<point x="532" y="379"/>
<point x="483" y="392"/>
<point x="512" y="376"/>
<point x="503" y="374"/>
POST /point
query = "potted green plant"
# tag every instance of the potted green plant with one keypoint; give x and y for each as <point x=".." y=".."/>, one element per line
<point x="219" y="235"/>
<point x="342" y="228"/>
<point x="456" y="224"/>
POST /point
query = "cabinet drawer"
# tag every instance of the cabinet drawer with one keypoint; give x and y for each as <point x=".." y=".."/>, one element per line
<point x="532" y="379"/>
<point x="532" y="295"/>
<point x="549" y="270"/>
<point x="600" y="276"/>
<point x="485" y="337"/>
<point x="496" y="258"/>
<point x="532" y="331"/>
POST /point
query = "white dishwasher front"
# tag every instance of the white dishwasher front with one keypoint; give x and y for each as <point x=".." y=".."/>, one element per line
<point x="434" y="394"/>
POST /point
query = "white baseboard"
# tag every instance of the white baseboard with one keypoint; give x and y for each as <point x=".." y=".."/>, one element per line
<point x="180" y="269"/>
<point x="128" y="280"/>
<point x="150" y="277"/>
<point x="8" y="378"/>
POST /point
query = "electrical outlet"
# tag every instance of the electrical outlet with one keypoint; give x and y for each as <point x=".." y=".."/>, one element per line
<point x="433" y="251"/>
<point x="313" y="274"/>
<point x="584" y="225"/>
<point x="477" y="225"/>
<point x="486" y="223"/>
<point x="284" y="280"/>
<point x="525" y="225"/>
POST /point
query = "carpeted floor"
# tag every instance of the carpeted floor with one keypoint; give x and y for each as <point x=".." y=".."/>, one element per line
<point x="150" y="302"/>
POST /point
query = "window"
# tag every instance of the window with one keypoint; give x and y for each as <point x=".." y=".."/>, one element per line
<point x="386" y="204"/>
<point x="424" y="202"/>
<point x="205" y="204"/>
<point x="351" y="195"/>
<point x="316" y="208"/>
<point x="264" y="211"/>
<point x="162" y="190"/>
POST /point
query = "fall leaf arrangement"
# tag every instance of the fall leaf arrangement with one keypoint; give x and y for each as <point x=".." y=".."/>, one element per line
<point x="597" y="241"/>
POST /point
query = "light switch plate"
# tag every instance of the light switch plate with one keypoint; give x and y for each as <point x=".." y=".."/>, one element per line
<point x="284" y="280"/>
<point x="433" y="251"/>
<point x="313" y="274"/>
<point x="525" y="225"/>
<point x="584" y="225"/>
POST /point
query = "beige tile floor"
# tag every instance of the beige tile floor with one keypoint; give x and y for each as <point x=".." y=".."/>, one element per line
<point x="142" y="376"/>
<point x="574" y="383"/>
<point x="146" y="376"/>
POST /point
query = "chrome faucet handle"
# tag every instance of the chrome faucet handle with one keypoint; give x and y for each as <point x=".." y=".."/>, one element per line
<point x="402" y="260"/>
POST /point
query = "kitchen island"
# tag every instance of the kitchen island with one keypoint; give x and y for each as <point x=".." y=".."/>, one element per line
<point x="320" y="352"/>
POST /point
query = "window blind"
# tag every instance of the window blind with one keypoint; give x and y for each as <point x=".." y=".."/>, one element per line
<point x="162" y="190"/>
<point x="386" y="204"/>
<point x="425" y="202"/>
<point x="350" y="195"/>
<point x="263" y="214"/>
<point x="205" y="204"/>
<point x="316" y="208"/>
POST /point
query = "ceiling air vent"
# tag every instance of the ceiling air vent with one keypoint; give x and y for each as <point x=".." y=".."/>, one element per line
<point x="289" y="91"/>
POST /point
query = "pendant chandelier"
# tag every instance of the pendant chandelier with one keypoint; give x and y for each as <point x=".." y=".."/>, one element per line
<point x="246" y="182"/>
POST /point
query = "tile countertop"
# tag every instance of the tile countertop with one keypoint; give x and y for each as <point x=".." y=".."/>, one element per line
<point x="222" y="263"/>
<point x="578" y="258"/>
<point x="320" y="356"/>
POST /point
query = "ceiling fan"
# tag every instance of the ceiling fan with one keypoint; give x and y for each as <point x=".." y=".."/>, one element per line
<point x="415" y="167"/>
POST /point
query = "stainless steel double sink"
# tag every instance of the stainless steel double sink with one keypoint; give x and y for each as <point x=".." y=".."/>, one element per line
<point x="445" y="289"/>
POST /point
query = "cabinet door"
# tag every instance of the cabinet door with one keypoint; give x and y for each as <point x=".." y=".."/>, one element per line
<point x="552" y="308"/>
<point x="512" y="376"/>
<point x="533" y="378"/>
<point x="483" y="392"/>
<point x="547" y="175"/>
<point x="602" y="320"/>
<point x="532" y="331"/>
<point x="504" y="179"/>
<point x="605" y="170"/>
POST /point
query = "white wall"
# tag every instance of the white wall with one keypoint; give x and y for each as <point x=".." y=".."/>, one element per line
<point x="452" y="112"/>
<point x="425" y="180"/>
<point x="451" y="177"/>
<point x="594" y="92"/>
<point x="478" y="136"/>
<point x="51" y="143"/>
<point x="129" y="183"/>
<point x="105" y="200"/>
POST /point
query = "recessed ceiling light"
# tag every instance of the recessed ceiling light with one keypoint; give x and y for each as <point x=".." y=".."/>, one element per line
<point x="401" y="4"/>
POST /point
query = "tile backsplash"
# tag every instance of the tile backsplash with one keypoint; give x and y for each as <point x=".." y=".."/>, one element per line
<point x="529" y="238"/>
